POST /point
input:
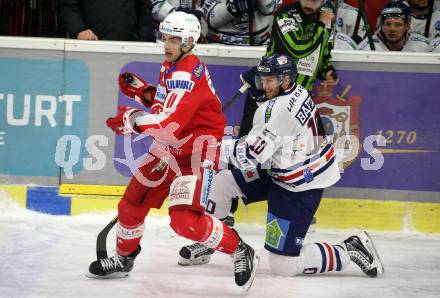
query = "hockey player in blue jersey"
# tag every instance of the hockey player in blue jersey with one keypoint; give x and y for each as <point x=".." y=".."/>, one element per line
<point x="287" y="159"/>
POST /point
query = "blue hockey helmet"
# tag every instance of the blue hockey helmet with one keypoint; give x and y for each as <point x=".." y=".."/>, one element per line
<point x="278" y="65"/>
<point x="396" y="9"/>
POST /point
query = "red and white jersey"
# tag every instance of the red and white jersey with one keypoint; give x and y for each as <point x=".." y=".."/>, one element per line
<point x="192" y="112"/>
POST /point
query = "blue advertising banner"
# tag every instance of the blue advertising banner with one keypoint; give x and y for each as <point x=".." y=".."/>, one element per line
<point x="36" y="108"/>
<point x="400" y="106"/>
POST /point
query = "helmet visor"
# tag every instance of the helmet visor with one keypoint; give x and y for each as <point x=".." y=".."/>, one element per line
<point x="259" y="79"/>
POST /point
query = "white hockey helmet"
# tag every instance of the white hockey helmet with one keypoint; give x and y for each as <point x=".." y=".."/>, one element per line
<point x="181" y="24"/>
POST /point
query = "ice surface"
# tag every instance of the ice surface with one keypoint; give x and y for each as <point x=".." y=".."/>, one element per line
<point x="47" y="256"/>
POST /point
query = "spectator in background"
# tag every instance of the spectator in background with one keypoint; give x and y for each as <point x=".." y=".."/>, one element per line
<point x="425" y="20"/>
<point x="128" y="20"/>
<point x="300" y="30"/>
<point x="161" y="8"/>
<point x="348" y="22"/>
<point x="344" y="42"/>
<point x="394" y="33"/>
<point x="239" y="22"/>
<point x="347" y="17"/>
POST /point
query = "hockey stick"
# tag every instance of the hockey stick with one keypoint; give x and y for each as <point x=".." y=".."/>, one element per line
<point x="355" y="34"/>
<point x="428" y="21"/>
<point x="366" y="24"/>
<point x="251" y="27"/>
<point x="230" y="102"/>
<point x="101" y="240"/>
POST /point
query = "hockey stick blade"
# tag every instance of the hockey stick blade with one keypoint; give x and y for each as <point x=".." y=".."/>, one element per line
<point x="240" y="91"/>
<point x="101" y="240"/>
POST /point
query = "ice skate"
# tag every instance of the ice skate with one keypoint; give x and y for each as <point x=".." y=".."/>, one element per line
<point x="195" y="254"/>
<point x="245" y="265"/>
<point x="116" y="266"/>
<point x="363" y="253"/>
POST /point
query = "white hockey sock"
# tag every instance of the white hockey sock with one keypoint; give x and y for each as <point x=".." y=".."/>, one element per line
<point x="313" y="259"/>
<point x="127" y="239"/>
<point x="323" y="257"/>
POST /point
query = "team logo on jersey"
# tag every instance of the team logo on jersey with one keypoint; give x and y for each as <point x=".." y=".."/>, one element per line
<point x="341" y="120"/>
<point x="287" y="25"/>
<point x="437" y="25"/>
<point x="198" y="71"/>
<point x="340" y="22"/>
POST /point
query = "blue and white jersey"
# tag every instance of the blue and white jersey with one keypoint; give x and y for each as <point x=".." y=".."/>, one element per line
<point x="346" y="20"/>
<point x="414" y="43"/>
<point x="436" y="45"/>
<point x="284" y="140"/>
<point x="344" y="42"/>
<point x="226" y="29"/>
<point x="418" y="25"/>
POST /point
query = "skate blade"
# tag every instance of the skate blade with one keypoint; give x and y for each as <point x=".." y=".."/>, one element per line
<point x="109" y="276"/>
<point x="248" y="284"/>
<point x="366" y="238"/>
<point x="199" y="261"/>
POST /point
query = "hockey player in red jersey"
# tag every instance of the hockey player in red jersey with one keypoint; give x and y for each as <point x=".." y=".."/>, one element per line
<point x="187" y="125"/>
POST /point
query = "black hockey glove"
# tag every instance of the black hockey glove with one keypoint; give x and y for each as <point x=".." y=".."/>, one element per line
<point x="238" y="8"/>
<point x="249" y="78"/>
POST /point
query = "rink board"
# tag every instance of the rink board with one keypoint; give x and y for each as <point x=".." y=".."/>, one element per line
<point x="57" y="94"/>
<point x="333" y="213"/>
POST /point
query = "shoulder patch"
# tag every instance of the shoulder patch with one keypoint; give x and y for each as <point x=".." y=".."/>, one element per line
<point x="287" y="25"/>
<point x="268" y="111"/>
<point x="170" y="70"/>
<point x="198" y="70"/>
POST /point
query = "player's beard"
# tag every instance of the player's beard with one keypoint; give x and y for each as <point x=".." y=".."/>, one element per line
<point x="396" y="42"/>
<point x="310" y="15"/>
<point x="418" y="7"/>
